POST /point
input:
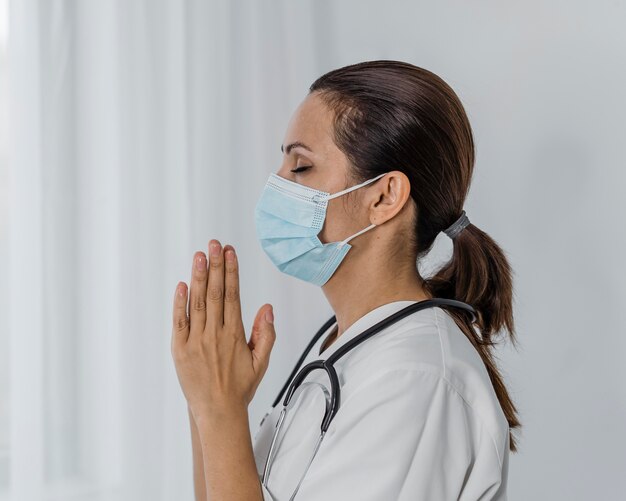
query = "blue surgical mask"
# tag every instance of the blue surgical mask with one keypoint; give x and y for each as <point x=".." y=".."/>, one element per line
<point x="288" y="217"/>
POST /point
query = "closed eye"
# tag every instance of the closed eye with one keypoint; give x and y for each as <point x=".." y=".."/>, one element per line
<point x="301" y="168"/>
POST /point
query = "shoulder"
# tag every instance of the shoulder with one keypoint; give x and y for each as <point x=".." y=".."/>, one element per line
<point x="429" y="352"/>
<point x="422" y="432"/>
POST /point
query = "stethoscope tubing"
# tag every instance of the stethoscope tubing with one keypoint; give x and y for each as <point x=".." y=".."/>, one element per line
<point x="296" y="378"/>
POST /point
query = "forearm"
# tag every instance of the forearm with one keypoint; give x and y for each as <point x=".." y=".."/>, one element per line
<point x="198" y="463"/>
<point x="229" y="467"/>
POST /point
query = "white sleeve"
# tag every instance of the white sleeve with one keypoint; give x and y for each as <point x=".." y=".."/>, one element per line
<point x="403" y="434"/>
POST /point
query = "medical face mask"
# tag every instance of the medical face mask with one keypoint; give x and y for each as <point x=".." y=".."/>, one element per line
<point x="288" y="217"/>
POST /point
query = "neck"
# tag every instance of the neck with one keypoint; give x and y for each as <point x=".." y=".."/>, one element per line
<point x="356" y="289"/>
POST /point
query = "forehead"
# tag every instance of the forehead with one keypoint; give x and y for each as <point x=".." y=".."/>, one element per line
<point x="312" y="124"/>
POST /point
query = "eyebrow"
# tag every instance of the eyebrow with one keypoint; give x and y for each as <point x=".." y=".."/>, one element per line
<point x="287" y="149"/>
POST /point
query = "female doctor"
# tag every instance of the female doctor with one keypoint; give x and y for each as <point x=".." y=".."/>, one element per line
<point x="379" y="154"/>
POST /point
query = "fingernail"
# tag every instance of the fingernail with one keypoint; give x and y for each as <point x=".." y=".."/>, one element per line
<point x="215" y="250"/>
<point x="269" y="316"/>
<point x="200" y="262"/>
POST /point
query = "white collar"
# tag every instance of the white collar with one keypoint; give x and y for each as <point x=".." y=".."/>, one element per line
<point x="366" y="321"/>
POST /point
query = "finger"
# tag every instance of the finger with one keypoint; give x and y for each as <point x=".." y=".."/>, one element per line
<point x="262" y="340"/>
<point x="232" y="301"/>
<point x="197" y="300"/>
<point x="180" y="328"/>
<point x="215" y="289"/>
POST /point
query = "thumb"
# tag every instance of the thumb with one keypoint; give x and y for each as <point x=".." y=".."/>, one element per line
<point x="262" y="338"/>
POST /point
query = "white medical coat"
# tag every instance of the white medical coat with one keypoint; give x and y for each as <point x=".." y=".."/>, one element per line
<point x="418" y="420"/>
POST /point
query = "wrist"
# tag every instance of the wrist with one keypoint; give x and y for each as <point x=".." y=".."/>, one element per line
<point x="217" y="414"/>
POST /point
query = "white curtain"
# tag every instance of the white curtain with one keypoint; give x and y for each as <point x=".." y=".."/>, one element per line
<point x="141" y="129"/>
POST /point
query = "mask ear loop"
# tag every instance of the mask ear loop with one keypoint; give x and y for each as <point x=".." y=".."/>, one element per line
<point x="343" y="242"/>
<point x="342" y="192"/>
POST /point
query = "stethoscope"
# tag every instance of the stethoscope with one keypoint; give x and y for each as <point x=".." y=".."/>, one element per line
<point x="295" y="382"/>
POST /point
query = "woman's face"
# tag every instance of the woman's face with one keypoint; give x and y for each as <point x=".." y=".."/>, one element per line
<point x="308" y="143"/>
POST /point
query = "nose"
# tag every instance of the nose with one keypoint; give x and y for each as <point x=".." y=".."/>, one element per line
<point x="285" y="173"/>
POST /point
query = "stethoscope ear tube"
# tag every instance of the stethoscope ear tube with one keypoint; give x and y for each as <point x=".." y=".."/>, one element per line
<point x="307" y="350"/>
<point x="332" y="406"/>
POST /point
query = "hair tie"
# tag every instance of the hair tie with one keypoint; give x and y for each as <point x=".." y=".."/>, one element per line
<point x="457" y="227"/>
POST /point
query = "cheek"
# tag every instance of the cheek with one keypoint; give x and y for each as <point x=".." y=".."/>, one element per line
<point x="338" y="222"/>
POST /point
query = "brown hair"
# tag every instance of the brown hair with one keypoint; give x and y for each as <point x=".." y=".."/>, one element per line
<point x="392" y="114"/>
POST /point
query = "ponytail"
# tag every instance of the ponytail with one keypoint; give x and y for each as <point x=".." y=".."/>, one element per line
<point x="479" y="274"/>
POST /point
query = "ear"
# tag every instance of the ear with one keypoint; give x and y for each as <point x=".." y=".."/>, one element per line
<point x="390" y="196"/>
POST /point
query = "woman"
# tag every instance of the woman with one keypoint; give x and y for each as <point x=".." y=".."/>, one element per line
<point x="424" y="412"/>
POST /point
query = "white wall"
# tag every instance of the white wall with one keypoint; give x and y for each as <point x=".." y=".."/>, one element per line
<point x="543" y="84"/>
